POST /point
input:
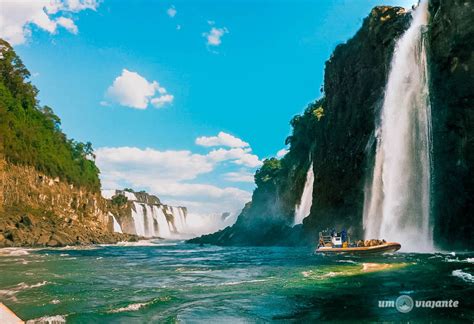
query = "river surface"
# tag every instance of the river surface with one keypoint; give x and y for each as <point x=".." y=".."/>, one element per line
<point x="170" y="281"/>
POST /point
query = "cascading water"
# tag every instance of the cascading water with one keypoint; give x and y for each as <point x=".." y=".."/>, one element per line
<point x="304" y="208"/>
<point x="149" y="220"/>
<point x="397" y="204"/>
<point x="178" y="218"/>
<point x="117" y="227"/>
<point x="138" y="219"/>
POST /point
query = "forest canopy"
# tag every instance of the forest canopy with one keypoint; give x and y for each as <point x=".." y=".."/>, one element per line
<point x="31" y="134"/>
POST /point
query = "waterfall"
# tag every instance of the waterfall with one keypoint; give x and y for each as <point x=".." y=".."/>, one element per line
<point x="397" y="204"/>
<point x="163" y="225"/>
<point x="178" y="218"/>
<point x="304" y="208"/>
<point x="117" y="227"/>
<point x="138" y="219"/>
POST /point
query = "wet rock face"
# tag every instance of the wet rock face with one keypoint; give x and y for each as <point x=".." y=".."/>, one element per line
<point x="355" y="78"/>
<point x="37" y="210"/>
<point x="451" y="57"/>
<point x="354" y="83"/>
<point x="343" y="144"/>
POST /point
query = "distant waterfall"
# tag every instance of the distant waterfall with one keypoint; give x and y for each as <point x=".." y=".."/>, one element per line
<point x="162" y="222"/>
<point x="397" y="204"/>
<point x="117" y="227"/>
<point x="149" y="220"/>
<point x="304" y="208"/>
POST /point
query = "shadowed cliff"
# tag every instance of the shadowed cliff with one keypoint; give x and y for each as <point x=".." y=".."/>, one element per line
<point x="336" y="133"/>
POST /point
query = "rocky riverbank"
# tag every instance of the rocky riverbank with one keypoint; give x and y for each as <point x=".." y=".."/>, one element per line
<point x="37" y="210"/>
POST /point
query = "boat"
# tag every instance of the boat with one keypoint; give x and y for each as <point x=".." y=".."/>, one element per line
<point x="340" y="243"/>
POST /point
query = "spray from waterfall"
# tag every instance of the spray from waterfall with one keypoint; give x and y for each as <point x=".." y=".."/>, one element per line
<point x="397" y="204"/>
<point x="304" y="208"/>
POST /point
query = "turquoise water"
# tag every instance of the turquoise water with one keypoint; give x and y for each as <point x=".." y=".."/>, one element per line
<point x="166" y="281"/>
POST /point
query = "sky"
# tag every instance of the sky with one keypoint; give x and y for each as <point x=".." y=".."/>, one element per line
<point x="183" y="99"/>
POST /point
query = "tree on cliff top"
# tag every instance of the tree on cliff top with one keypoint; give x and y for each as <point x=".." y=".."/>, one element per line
<point x="31" y="134"/>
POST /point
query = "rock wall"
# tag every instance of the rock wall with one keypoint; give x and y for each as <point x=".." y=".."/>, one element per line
<point x="451" y="57"/>
<point x="39" y="210"/>
<point x="354" y="83"/>
<point x="337" y="134"/>
<point x="339" y="143"/>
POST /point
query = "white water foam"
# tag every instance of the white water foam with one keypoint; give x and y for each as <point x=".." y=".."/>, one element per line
<point x="55" y="319"/>
<point x="463" y="275"/>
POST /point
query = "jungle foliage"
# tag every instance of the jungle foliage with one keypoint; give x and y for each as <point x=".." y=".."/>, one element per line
<point x="31" y="134"/>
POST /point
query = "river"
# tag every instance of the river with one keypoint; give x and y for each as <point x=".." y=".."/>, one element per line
<point x="170" y="281"/>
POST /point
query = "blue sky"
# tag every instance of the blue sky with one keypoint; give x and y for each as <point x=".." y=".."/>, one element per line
<point x="239" y="68"/>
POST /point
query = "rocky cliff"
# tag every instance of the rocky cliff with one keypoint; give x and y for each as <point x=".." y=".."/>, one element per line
<point x="451" y="56"/>
<point x="336" y="133"/>
<point x="38" y="210"/>
<point x="49" y="184"/>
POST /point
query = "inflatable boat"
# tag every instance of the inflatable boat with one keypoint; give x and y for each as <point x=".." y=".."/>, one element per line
<point x="388" y="247"/>
<point x="332" y="242"/>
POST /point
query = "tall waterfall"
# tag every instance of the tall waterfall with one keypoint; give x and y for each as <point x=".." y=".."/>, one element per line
<point x="397" y="206"/>
<point x="304" y="208"/>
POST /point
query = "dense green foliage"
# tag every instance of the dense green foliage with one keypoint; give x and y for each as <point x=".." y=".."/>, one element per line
<point x="119" y="200"/>
<point x="31" y="134"/>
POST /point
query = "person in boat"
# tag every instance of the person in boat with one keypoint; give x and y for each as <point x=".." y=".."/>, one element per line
<point x="344" y="235"/>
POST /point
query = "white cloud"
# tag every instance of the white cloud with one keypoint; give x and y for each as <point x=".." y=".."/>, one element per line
<point x="132" y="90"/>
<point x="168" y="174"/>
<point x="68" y="24"/>
<point x="281" y="153"/>
<point x="222" y="139"/>
<point x="240" y="176"/>
<point x="161" y="101"/>
<point x="17" y="17"/>
<point x="171" y="11"/>
<point x="214" y="36"/>
<point x="166" y="165"/>
<point x="240" y="156"/>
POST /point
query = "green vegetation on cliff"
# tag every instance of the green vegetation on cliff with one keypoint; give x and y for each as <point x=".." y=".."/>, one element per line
<point x="31" y="135"/>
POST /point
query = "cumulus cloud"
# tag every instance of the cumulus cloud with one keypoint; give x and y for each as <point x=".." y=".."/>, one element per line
<point x="17" y="17"/>
<point x="68" y="24"/>
<point x="222" y="139"/>
<point x="214" y="35"/>
<point x="171" y="11"/>
<point x="161" y="101"/>
<point x="240" y="176"/>
<point x="281" y="153"/>
<point x="169" y="174"/>
<point x="130" y="89"/>
<point x="238" y="156"/>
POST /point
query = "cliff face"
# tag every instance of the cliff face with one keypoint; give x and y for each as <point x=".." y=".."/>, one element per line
<point x="354" y="83"/>
<point x="49" y="184"/>
<point x="39" y="210"/>
<point x="337" y="134"/>
<point x="451" y="57"/>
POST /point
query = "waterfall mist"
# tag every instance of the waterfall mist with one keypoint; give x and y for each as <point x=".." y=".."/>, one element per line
<point x="397" y="204"/>
<point x="304" y="208"/>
